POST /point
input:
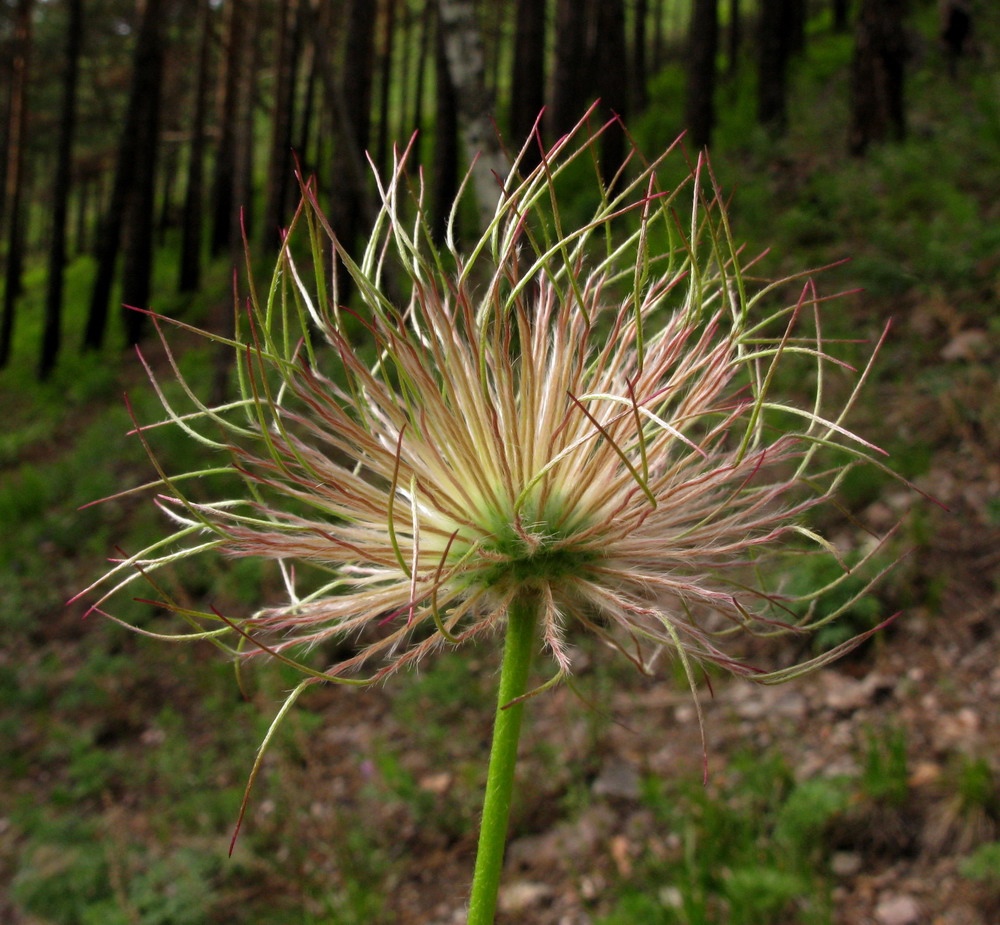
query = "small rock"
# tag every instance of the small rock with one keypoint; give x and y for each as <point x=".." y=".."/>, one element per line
<point x="845" y="863"/>
<point x="671" y="897"/>
<point x="621" y="854"/>
<point x="436" y="783"/>
<point x="925" y="773"/>
<point x="898" y="909"/>
<point x="617" y="779"/>
<point x="969" y="345"/>
<point x="522" y="895"/>
<point x="845" y="695"/>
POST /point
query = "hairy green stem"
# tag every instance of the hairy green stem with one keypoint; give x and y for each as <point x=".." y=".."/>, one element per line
<point x="517" y="652"/>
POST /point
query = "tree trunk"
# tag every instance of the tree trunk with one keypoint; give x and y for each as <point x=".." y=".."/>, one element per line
<point x="877" y="75"/>
<point x="17" y="122"/>
<point x="243" y="191"/>
<point x="52" y="330"/>
<point x="527" y="94"/>
<point x="143" y="95"/>
<point x="572" y="77"/>
<point x="225" y="220"/>
<point x="703" y="37"/>
<point x="734" y="36"/>
<point x="463" y="47"/>
<point x="137" y="259"/>
<point x="609" y="55"/>
<point x="796" y="26"/>
<point x="385" y="128"/>
<point x="279" y="180"/>
<point x="773" y="51"/>
<point x="841" y="15"/>
<point x="192" y="216"/>
<point x="352" y="124"/>
<point x="445" y="176"/>
<point x="640" y="73"/>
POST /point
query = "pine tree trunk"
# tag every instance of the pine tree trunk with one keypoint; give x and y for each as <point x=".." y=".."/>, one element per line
<point x="386" y="71"/>
<point x="279" y="168"/>
<point x="225" y="220"/>
<point x="52" y="330"/>
<point x="192" y="216"/>
<point x="143" y="94"/>
<point x="608" y="56"/>
<point x="17" y="123"/>
<point x="773" y="54"/>
<point x="352" y="122"/>
<point x="703" y="38"/>
<point x="572" y="77"/>
<point x="445" y="176"/>
<point x="137" y="258"/>
<point x="734" y="36"/>
<point x="640" y="74"/>
<point x="243" y="190"/>
<point x="527" y="94"/>
<point x="877" y="75"/>
<point x="796" y="26"/>
<point x="841" y="15"/>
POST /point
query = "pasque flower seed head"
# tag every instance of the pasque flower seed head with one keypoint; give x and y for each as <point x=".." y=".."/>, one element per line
<point x="585" y="413"/>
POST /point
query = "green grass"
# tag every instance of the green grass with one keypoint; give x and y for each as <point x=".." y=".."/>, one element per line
<point x="748" y="850"/>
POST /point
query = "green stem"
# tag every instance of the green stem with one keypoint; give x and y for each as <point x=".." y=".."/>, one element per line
<point x="517" y="652"/>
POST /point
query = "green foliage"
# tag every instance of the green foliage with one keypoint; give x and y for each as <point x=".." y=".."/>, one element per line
<point x="983" y="864"/>
<point x="750" y="850"/>
<point x="886" y="774"/>
<point x="976" y="786"/>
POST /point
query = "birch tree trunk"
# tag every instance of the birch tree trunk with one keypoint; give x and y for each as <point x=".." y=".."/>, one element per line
<point x="463" y="47"/>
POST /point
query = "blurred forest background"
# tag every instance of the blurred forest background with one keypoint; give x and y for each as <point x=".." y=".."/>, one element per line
<point x="140" y="142"/>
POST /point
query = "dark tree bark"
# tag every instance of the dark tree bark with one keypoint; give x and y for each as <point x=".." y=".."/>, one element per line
<point x="527" y="93"/>
<point x="640" y="72"/>
<point x="17" y="122"/>
<point x="7" y="83"/>
<point x="137" y="258"/>
<point x="572" y="78"/>
<point x="609" y="54"/>
<point x="386" y="69"/>
<point x="52" y="329"/>
<point x="143" y="95"/>
<point x="352" y="111"/>
<point x="193" y="214"/>
<point x="703" y="39"/>
<point x="81" y="241"/>
<point x="773" y="48"/>
<point x="797" y="15"/>
<point x="877" y="75"/>
<point x="734" y="37"/>
<point x="658" y="53"/>
<point x="445" y="176"/>
<point x="841" y="15"/>
<point x="225" y="218"/>
<point x="243" y="191"/>
<point x="279" y="180"/>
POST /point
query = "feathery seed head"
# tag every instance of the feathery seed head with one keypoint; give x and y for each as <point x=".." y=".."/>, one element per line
<point x="580" y="413"/>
